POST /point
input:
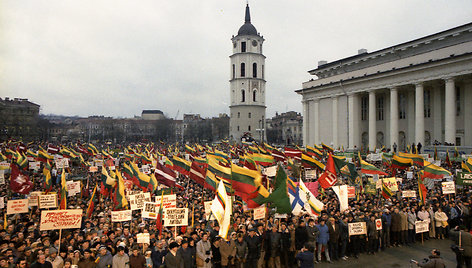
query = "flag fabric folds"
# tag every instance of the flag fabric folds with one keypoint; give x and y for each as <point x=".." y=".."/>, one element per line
<point x="221" y="208"/>
<point x="181" y="165"/>
<point x="367" y="168"/>
<point x="386" y="192"/>
<point x="312" y="205"/>
<point x="165" y="175"/>
<point x="310" y="162"/>
<point x="467" y="165"/>
<point x="159" y="215"/>
<point x="91" y="204"/>
<point x="328" y="178"/>
<point x="434" y="172"/>
<point x="401" y="162"/>
<point x="63" y="204"/>
<point x="119" y="197"/>
<point x="416" y="158"/>
<point x="19" y="182"/>
<point x="296" y="203"/>
<point x="279" y="197"/>
<point x="341" y="192"/>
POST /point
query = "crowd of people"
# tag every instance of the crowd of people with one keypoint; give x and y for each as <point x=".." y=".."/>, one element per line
<point x="275" y="241"/>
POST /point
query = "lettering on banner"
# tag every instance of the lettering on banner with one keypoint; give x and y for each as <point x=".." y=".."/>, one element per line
<point x="391" y="183"/>
<point x="93" y="169"/>
<point x="280" y="216"/>
<point x="137" y="200"/>
<point x="170" y="201"/>
<point x="259" y="212"/>
<point x="2" y="177"/>
<point x="421" y="226"/>
<point x="120" y="216"/>
<point x="4" y="165"/>
<point x="62" y="163"/>
<point x="357" y="228"/>
<point x="73" y="188"/>
<point x="33" y="199"/>
<point x="143" y="238"/>
<point x="448" y="187"/>
<point x="47" y="201"/>
<point x="176" y="217"/>
<point x="2" y="202"/>
<point x="60" y="219"/>
<point x="351" y="192"/>
<point x="409" y="194"/>
<point x="34" y="165"/>
<point x="208" y="207"/>
<point x="17" y="206"/>
<point x="150" y="210"/>
<point x="378" y="224"/>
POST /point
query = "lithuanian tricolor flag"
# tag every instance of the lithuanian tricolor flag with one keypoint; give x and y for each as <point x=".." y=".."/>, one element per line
<point x="327" y="148"/>
<point x="63" y="204"/>
<point x="91" y="204"/>
<point x="310" y="162"/>
<point x="47" y="177"/>
<point x="386" y="192"/>
<point x="181" y="165"/>
<point x="219" y="170"/>
<point x="387" y="159"/>
<point x="143" y="180"/>
<point x="367" y="168"/>
<point x="248" y="184"/>
<point x="467" y="165"/>
<point x="422" y="189"/>
<point x="262" y="159"/>
<point x="417" y="159"/>
<point x="119" y="197"/>
<point x="211" y="182"/>
<point x="434" y="172"/>
<point x="314" y="152"/>
<point x="401" y="162"/>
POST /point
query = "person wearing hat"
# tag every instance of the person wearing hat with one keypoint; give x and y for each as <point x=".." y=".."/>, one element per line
<point x="173" y="259"/>
<point x="187" y="254"/>
<point x="121" y="259"/>
<point x="104" y="258"/>
<point x="87" y="260"/>
<point x="254" y="248"/>
<point x="54" y="258"/>
<point x="157" y="254"/>
<point x="204" y="252"/>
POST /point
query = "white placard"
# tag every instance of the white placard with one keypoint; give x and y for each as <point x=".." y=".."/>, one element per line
<point x="357" y="228"/>
<point x="409" y="174"/>
<point x="33" y="199"/>
<point x="208" y="207"/>
<point x="280" y="216"/>
<point x="421" y="226"/>
<point x="2" y="202"/>
<point x="120" y="216"/>
<point x="73" y="188"/>
<point x="170" y="200"/>
<point x="93" y="169"/>
<point x="62" y="163"/>
<point x="374" y="157"/>
<point x="136" y="201"/>
<point x="409" y="194"/>
<point x="176" y="217"/>
<point x="47" y="201"/>
<point x="60" y="219"/>
<point x="150" y="210"/>
<point x="259" y="212"/>
<point x="35" y="165"/>
<point x="270" y="171"/>
<point x="143" y="238"/>
<point x="448" y="187"/>
<point x="378" y="224"/>
<point x="17" y="206"/>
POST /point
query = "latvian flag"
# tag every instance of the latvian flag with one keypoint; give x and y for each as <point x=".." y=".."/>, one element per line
<point x="53" y="149"/>
<point x="293" y="153"/>
<point x="165" y="175"/>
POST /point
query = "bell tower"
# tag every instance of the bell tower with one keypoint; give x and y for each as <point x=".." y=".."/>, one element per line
<point x="247" y="83"/>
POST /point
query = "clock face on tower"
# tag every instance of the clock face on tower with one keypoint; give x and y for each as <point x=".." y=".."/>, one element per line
<point x="254" y="43"/>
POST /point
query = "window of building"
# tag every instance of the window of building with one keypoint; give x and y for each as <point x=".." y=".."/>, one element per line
<point x="243" y="95"/>
<point x="243" y="69"/>
<point x="254" y="70"/>
<point x="254" y="95"/>
<point x="364" y="107"/>
<point x="243" y="46"/>
<point x="239" y="114"/>
<point x="402" y="105"/>
<point x="249" y="115"/>
<point x="248" y="128"/>
<point x="427" y="103"/>
<point x="458" y="101"/>
<point x="234" y="71"/>
<point x="380" y="108"/>
<point x="238" y="128"/>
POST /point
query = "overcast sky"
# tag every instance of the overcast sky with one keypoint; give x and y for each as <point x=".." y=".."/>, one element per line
<point x="116" y="58"/>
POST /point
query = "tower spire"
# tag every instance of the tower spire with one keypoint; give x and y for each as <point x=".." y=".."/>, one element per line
<point x="247" y="19"/>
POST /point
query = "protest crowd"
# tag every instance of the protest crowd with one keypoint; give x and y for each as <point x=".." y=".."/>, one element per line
<point x="226" y="205"/>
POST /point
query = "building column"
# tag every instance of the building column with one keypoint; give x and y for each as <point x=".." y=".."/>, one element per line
<point x="437" y="114"/>
<point x="450" y="110"/>
<point x="419" y="113"/>
<point x="334" y="113"/>
<point x="316" y="120"/>
<point x="393" y="116"/>
<point x="350" y="123"/>
<point x="372" y="121"/>
<point x="306" y="122"/>
<point x="467" y="113"/>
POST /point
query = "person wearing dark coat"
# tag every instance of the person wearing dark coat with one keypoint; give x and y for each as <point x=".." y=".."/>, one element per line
<point x="173" y="259"/>
<point x="334" y="231"/>
<point x="463" y="258"/>
<point x="187" y="255"/>
<point x="157" y="254"/>
<point x="301" y="236"/>
<point x="41" y="262"/>
<point x="136" y="259"/>
<point x="396" y="227"/>
<point x="273" y="246"/>
<point x="343" y="237"/>
<point x="253" y="249"/>
<point x="306" y="258"/>
<point x="215" y="252"/>
<point x="372" y="235"/>
<point x="434" y="260"/>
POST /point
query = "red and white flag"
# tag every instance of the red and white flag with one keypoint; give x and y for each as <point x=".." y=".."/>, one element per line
<point x="197" y="173"/>
<point x="293" y="153"/>
<point x="328" y="178"/>
<point x="165" y="175"/>
<point x="53" y="149"/>
<point x="19" y="182"/>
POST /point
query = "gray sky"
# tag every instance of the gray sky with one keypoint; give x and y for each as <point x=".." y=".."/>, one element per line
<point x="116" y="58"/>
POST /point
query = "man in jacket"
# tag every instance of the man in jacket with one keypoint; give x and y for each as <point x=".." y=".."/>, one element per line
<point x="187" y="255"/>
<point x="173" y="259"/>
<point x="323" y="239"/>
<point x="254" y="249"/>
<point x="105" y="259"/>
<point x="463" y="239"/>
<point x="157" y="254"/>
<point x="241" y="251"/>
<point x="334" y="230"/>
<point x="434" y="260"/>
<point x="204" y="251"/>
<point x="87" y="261"/>
<point x="228" y="252"/>
<point x="372" y="235"/>
<point x="121" y="259"/>
<point x="136" y="260"/>
<point x="411" y="225"/>
<point x="312" y="233"/>
<point x="404" y="230"/>
<point x="343" y="237"/>
<point x="274" y="247"/>
<point x="396" y="227"/>
<point x="386" y="224"/>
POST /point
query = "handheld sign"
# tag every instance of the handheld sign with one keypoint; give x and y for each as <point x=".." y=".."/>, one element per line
<point x="357" y="228"/>
<point x="259" y="213"/>
<point x="143" y="238"/>
<point x="47" y="201"/>
<point x="176" y="217"/>
<point x="150" y="210"/>
<point x="137" y="201"/>
<point x="378" y="224"/>
<point x="421" y="226"/>
<point x="448" y="187"/>
<point x="33" y="199"/>
<point x="17" y="206"/>
<point x="120" y="216"/>
<point x="170" y="201"/>
<point x="60" y="219"/>
<point x="408" y="194"/>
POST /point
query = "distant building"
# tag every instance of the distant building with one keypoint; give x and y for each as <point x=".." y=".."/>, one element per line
<point x="285" y="128"/>
<point x="198" y="129"/>
<point x="152" y="115"/>
<point x="19" y="119"/>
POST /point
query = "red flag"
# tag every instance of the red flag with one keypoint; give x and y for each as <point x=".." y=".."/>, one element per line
<point x="53" y="149"/>
<point x="328" y="178"/>
<point x="278" y="155"/>
<point x="19" y="182"/>
<point x="159" y="215"/>
<point x="165" y="175"/>
<point x="293" y="153"/>
<point x="197" y="173"/>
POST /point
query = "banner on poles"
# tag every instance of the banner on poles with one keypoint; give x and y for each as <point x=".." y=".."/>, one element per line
<point x="62" y="163"/>
<point x="448" y="187"/>
<point x="33" y="199"/>
<point x="378" y="224"/>
<point x="351" y="192"/>
<point x="120" y="216"/>
<point x="357" y="228"/>
<point x="17" y="206"/>
<point x="391" y="183"/>
<point x="34" y="165"/>
<point x="421" y="226"/>
<point x="208" y="207"/>
<point x="176" y="217"/>
<point x="170" y="201"/>
<point x="136" y="201"/>
<point x="143" y="238"/>
<point x="60" y="219"/>
<point x="259" y="212"/>
<point x="47" y="201"/>
<point x="73" y="188"/>
<point x="409" y="194"/>
<point x="463" y="178"/>
<point x="150" y="210"/>
<point x="280" y="216"/>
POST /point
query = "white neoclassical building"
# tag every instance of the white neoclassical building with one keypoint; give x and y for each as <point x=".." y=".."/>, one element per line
<point x="418" y="91"/>
<point x="247" y="84"/>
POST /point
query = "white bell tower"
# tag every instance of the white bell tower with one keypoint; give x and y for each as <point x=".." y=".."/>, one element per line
<point x="247" y="84"/>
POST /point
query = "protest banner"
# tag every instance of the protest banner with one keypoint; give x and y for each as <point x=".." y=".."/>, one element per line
<point x="351" y="192"/>
<point x="98" y="162"/>
<point x="409" y="194"/>
<point x="120" y="216"/>
<point x="357" y="228"/>
<point x="176" y="217"/>
<point x="448" y="187"/>
<point x="271" y="171"/>
<point x="2" y="202"/>
<point x="464" y="178"/>
<point x="170" y="201"/>
<point x="62" y="163"/>
<point x="259" y="212"/>
<point x="60" y="219"/>
<point x="143" y="238"/>
<point x="150" y="210"/>
<point x="208" y="207"/>
<point x="2" y="177"/>
<point x="34" y="165"/>
<point x="374" y="157"/>
<point x="391" y="183"/>
<point x="4" y="165"/>
<point x="378" y="224"/>
<point x="93" y="169"/>
<point x="47" y="201"/>
<point x="73" y="188"/>
<point x="421" y="226"/>
<point x="280" y="216"/>
<point x="136" y="201"/>
<point x="33" y="199"/>
<point x="17" y="206"/>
